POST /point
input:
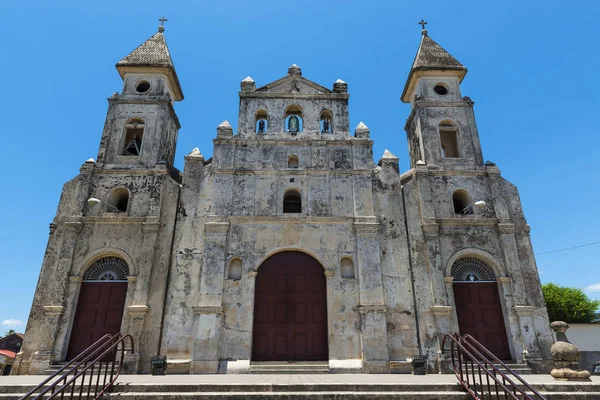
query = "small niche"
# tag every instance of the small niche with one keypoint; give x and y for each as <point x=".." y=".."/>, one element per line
<point x="461" y="199"/>
<point x="235" y="269"/>
<point x="118" y="200"/>
<point x="293" y="162"/>
<point x="347" y="268"/>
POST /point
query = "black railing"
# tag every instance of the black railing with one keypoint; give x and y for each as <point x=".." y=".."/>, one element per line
<point x="477" y="371"/>
<point x="105" y="358"/>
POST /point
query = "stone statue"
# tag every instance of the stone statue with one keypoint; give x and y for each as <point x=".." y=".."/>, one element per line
<point x="261" y="126"/>
<point x="293" y="124"/>
<point x="325" y="126"/>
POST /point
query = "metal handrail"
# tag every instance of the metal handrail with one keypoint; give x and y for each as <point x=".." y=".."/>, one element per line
<point x="108" y="345"/>
<point x="467" y="352"/>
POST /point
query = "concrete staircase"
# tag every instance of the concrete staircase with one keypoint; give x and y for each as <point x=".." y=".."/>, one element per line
<point x="314" y="386"/>
<point x="519" y="368"/>
<point x="55" y="367"/>
<point x="275" y="367"/>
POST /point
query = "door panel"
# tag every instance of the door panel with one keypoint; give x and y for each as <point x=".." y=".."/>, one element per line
<point x="480" y="315"/>
<point x="292" y="287"/>
<point x="99" y="312"/>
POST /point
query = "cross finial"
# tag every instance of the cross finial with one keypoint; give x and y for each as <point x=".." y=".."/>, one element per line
<point x="162" y="20"/>
<point x="423" y="23"/>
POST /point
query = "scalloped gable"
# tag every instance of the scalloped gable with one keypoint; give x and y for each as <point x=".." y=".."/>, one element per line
<point x="294" y="84"/>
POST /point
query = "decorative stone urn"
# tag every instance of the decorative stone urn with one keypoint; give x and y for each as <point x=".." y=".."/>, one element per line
<point x="565" y="356"/>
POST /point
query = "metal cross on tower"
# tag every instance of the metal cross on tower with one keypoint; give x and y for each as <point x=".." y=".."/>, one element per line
<point x="423" y="23"/>
<point x="162" y="20"/>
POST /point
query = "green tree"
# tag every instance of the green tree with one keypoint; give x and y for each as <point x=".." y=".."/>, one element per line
<point x="9" y="332"/>
<point x="569" y="304"/>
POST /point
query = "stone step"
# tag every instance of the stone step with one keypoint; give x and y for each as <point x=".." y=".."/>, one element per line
<point x="272" y="367"/>
<point x="317" y="395"/>
<point x="519" y="368"/>
<point x="337" y="395"/>
<point x="276" y="388"/>
<point x="55" y="367"/>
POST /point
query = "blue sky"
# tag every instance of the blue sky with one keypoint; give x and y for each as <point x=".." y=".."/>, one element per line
<point x="533" y="74"/>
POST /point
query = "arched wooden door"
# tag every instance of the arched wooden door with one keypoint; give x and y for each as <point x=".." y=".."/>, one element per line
<point x="100" y="305"/>
<point x="478" y="305"/>
<point x="290" y="309"/>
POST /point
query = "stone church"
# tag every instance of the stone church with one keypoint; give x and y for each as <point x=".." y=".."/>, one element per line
<point x="290" y="244"/>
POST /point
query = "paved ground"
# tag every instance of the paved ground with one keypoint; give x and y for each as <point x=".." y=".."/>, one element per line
<point x="287" y="379"/>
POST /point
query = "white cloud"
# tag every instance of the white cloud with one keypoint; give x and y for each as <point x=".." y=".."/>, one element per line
<point x="593" y="288"/>
<point x="12" y="323"/>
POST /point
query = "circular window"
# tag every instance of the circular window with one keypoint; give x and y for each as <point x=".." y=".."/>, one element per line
<point x="441" y="90"/>
<point x="142" y="86"/>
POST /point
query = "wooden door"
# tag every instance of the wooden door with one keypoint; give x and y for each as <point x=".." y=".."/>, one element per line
<point x="290" y="310"/>
<point x="480" y="315"/>
<point x="99" y="311"/>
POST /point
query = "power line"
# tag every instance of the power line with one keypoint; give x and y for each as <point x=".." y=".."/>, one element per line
<point x="567" y="248"/>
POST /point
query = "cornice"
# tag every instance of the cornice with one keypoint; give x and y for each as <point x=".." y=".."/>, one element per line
<point x="147" y="222"/>
<point x="466" y="222"/>
<point x="292" y="171"/>
<point x="288" y="220"/>
<point x="307" y="96"/>
<point x="306" y="141"/>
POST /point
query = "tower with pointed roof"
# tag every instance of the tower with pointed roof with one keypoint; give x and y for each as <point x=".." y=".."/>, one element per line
<point x="141" y="125"/>
<point x="463" y="213"/>
<point x="115" y="222"/>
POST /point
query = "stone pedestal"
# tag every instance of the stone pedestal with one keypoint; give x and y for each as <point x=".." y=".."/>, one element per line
<point x="375" y="354"/>
<point x="207" y="322"/>
<point x="566" y="356"/>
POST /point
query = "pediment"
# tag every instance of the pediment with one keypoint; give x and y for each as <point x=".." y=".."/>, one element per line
<point x="294" y="84"/>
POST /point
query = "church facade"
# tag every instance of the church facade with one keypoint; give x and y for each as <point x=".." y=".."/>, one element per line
<point x="290" y="244"/>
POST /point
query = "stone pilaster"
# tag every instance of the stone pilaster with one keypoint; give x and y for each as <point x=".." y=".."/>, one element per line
<point x="208" y="314"/>
<point x="368" y="261"/>
<point x="511" y="260"/>
<point x="372" y="310"/>
<point x="144" y="271"/>
<point x="53" y="309"/>
<point x="71" y="298"/>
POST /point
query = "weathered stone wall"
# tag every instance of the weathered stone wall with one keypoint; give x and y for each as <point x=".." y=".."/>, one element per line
<point x="400" y="232"/>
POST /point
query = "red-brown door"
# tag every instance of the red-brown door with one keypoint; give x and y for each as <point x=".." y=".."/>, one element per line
<point x="480" y="315"/>
<point x="99" y="311"/>
<point x="290" y="310"/>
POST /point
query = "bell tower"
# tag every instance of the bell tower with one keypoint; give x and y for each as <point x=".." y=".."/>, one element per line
<point x="441" y="128"/>
<point x="141" y="125"/>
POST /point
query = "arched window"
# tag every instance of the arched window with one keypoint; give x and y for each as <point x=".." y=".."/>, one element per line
<point x="235" y="269"/>
<point x="293" y="119"/>
<point x="449" y="139"/>
<point x="262" y="122"/>
<point x="107" y="269"/>
<point x="293" y="162"/>
<point x="134" y="132"/>
<point x="118" y="200"/>
<point x="347" y="268"/>
<point x="326" y="122"/>
<point x="470" y="269"/>
<point x="292" y="202"/>
<point x="461" y="199"/>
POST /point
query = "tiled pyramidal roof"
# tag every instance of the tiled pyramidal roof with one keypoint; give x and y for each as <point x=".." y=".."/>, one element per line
<point x="153" y="52"/>
<point x="431" y="56"/>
